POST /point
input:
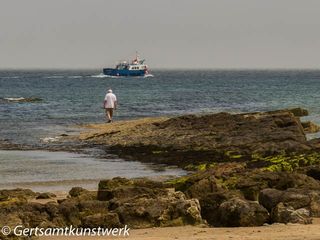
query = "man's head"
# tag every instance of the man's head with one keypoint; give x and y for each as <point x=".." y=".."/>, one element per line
<point x="110" y="90"/>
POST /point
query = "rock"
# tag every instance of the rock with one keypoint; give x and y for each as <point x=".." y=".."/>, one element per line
<point x="70" y="212"/>
<point x="251" y="183"/>
<point x="287" y="214"/>
<point x="45" y="195"/>
<point x="314" y="203"/>
<point x="122" y="188"/>
<point x="310" y="127"/>
<point x="172" y="209"/>
<point x="299" y="112"/>
<point x="89" y="207"/>
<point x="210" y="205"/>
<point x="242" y="213"/>
<point x="103" y="220"/>
<point x="201" y="139"/>
<point x="77" y="191"/>
<point x="18" y="193"/>
<point x="314" y="172"/>
<point x="269" y="198"/>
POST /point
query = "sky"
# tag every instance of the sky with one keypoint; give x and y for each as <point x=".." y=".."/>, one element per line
<point x="167" y="33"/>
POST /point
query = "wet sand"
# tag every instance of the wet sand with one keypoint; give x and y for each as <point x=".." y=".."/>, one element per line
<point x="274" y="232"/>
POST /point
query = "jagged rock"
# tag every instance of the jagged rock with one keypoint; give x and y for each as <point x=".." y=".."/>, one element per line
<point x="293" y="198"/>
<point x="18" y="193"/>
<point x="270" y="197"/>
<point x="70" y="212"/>
<point x="77" y="191"/>
<point x="89" y="207"/>
<point x="310" y="127"/>
<point x="251" y="183"/>
<point x="210" y="204"/>
<point x="299" y="112"/>
<point x="237" y="212"/>
<point x="46" y="195"/>
<point x="170" y="210"/>
<point x="314" y="172"/>
<point x="122" y="188"/>
<point x="287" y="214"/>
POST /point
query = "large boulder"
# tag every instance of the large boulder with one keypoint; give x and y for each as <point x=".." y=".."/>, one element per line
<point x="287" y="214"/>
<point x="238" y="212"/>
<point x="122" y="188"/>
<point x="172" y="209"/>
<point x="291" y="199"/>
<point x="251" y="183"/>
<point x="269" y="198"/>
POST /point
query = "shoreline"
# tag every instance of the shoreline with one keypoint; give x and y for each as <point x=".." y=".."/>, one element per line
<point x="249" y="170"/>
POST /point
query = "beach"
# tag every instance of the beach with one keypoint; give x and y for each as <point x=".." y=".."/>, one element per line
<point x="274" y="232"/>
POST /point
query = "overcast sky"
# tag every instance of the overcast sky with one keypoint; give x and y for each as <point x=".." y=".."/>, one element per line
<point x="168" y="33"/>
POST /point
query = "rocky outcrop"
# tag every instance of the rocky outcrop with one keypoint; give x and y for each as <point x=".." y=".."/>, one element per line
<point x="199" y="139"/>
<point x="137" y="203"/>
<point x="143" y="203"/>
<point x="226" y="189"/>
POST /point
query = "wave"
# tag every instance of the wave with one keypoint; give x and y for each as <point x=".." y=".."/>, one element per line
<point x="14" y="99"/>
<point x="101" y="75"/>
<point x="54" y="77"/>
<point x="20" y="99"/>
<point x="10" y="77"/>
<point x="75" y="76"/>
<point x="50" y="139"/>
<point x="148" y="75"/>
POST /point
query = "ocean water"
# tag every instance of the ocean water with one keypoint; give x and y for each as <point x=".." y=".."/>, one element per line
<point x="55" y="171"/>
<point x="75" y="97"/>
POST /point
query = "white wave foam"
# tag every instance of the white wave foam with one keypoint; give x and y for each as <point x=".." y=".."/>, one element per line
<point x="148" y="75"/>
<point x="50" y="139"/>
<point x="54" y="77"/>
<point x="12" y="77"/>
<point x="12" y="99"/>
<point x="101" y="75"/>
<point x="75" y="77"/>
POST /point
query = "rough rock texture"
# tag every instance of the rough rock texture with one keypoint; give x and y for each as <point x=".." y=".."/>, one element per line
<point x="292" y="198"/>
<point x="310" y="127"/>
<point x="223" y="183"/>
<point x="143" y="203"/>
<point x="237" y="212"/>
<point x="286" y="214"/>
<point x="200" y="139"/>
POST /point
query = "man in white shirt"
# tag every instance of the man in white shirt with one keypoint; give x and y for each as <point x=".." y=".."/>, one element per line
<point x="110" y="104"/>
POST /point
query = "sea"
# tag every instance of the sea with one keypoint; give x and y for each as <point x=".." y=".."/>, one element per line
<point x="75" y="97"/>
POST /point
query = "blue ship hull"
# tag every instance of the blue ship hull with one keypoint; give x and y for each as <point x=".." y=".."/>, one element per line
<point x="123" y="72"/>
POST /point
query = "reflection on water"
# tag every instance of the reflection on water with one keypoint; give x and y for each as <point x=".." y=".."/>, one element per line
<point x="48" y="171"/>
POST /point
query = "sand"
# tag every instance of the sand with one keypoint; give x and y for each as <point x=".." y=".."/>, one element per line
<point x="274" y="232"/>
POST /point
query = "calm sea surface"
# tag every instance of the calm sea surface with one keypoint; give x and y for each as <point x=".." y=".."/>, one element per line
<point x="75" y="97"/>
